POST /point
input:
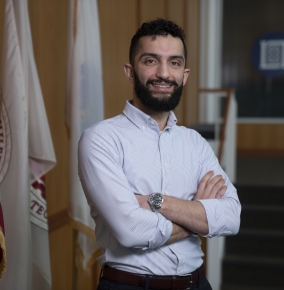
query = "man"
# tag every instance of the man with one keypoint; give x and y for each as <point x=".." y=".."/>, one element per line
<point x="153" y="186"/>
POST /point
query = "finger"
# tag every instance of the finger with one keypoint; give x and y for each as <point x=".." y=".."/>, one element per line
<point x="217" y="181"/>
<point x="204" y="180"/>
<point x="203" y="184"/>
<point x="216" y="188"/>
<point x="221" y="192"/>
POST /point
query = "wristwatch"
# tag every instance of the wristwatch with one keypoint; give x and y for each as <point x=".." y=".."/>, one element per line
<point x="156" y="201"/>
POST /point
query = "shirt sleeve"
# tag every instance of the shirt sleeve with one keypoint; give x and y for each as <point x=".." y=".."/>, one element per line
<point x="100" y="167"/>
<point x="223" y="215"/>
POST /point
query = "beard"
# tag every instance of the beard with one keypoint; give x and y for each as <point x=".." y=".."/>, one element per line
<point x="163" y="103"/>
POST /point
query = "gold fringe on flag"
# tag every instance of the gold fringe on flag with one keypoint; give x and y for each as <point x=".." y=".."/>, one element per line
<point x="82" y="228"/>
<point x="93" y="269"/>
<point x="3" y="249"/>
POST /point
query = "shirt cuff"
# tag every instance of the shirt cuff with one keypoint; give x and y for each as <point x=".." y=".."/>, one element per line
<point x="215" y="218"/>
<point x="162" y="233"/>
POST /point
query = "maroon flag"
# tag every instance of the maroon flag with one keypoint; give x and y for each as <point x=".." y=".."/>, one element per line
<point x="2" y="244"/>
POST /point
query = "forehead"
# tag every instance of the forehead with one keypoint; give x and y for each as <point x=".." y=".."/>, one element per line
<point x="161" y="45"/>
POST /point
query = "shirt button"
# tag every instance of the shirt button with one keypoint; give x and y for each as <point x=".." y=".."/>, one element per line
<point x="165" y="164"/>
<point x="143" y="128"/>
<point x="152" y="122"/>
<point x="166" y="192"/>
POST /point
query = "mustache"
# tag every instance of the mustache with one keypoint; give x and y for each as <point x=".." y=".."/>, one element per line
<point x="161" y="80"/>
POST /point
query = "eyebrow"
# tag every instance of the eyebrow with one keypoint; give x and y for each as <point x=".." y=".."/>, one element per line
<point x="159" y="56"/>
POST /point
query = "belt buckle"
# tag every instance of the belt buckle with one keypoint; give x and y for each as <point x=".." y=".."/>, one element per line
<point x="190" y="282"/>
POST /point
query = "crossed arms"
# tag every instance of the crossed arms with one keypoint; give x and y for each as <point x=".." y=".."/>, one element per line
<point x="125" y="216"/>
<point x="189" y="216"/>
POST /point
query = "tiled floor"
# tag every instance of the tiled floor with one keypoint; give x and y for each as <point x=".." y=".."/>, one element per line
<point x="260" y="171"/>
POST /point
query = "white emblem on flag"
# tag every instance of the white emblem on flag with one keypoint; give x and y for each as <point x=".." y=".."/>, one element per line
<point x="38" y="214"/>
<point x="271" y="54"/>
<point x="5" y="140"/>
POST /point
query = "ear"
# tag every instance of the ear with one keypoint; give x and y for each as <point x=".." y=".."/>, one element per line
<point x="129" y="72"/>
<point x="185" y="75"/>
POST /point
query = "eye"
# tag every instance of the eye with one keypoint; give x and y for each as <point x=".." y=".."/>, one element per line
<point x="175" y="63"/>
<point x="150" y="61"/>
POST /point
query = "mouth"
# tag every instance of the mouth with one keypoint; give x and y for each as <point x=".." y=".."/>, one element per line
<point x="162" y="86"/>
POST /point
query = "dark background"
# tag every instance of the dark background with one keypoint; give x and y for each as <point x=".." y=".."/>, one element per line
<point x="244" y="21"/>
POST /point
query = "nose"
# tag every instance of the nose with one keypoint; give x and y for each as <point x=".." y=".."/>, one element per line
<point x="163" y="71"/>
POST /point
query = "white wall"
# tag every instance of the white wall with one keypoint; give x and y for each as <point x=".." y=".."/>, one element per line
<point x="210" y="77"/>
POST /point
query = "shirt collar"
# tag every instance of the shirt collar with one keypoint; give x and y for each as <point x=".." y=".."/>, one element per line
<point x="142" y="120"/>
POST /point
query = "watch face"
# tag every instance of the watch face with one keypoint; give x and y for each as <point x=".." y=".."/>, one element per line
<point x="156" y="200"/>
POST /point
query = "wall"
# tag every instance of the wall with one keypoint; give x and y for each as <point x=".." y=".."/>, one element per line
<point x="49" y="21"/>
<point x="260" y="98"/>
<point x="262" y="139"/>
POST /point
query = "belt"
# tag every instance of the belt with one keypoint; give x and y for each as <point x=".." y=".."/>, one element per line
<point x="155" y="282"/>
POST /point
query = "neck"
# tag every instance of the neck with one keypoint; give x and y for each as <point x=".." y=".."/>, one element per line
<point x="160" y="117"/>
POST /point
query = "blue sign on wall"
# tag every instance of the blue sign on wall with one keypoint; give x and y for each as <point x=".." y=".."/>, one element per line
<point x="268" y="54"/>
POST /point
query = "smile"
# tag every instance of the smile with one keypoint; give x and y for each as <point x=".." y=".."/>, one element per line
<point x="161" y="86"/>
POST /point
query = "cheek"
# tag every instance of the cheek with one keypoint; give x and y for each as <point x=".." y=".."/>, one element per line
<point x="179" y="79"/>
<point x="145" y="77"/>
<point x="182" y="80"/>
<point x="145" y="74"/>
<point x="177" y="75"/>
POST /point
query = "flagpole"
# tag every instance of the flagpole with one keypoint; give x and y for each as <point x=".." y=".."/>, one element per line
<point x="74" y="260"/>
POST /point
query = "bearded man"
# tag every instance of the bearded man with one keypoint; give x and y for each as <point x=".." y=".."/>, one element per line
<point x="153" y="187"/>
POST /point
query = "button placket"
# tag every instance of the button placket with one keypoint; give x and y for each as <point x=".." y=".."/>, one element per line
<point x="165" y="163"/>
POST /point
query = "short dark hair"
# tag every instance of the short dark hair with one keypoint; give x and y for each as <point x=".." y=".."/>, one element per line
<point x="158" y="27"/>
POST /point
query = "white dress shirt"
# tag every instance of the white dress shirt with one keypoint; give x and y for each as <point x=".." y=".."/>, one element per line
<point x="128" y="154"/>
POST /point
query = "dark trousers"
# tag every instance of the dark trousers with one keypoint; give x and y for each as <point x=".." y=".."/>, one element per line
<point x="108" y="285"/>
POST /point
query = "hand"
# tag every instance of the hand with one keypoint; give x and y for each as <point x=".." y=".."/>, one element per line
<point x="143" y="201"/>
<point x="178" y="233"/>
<point x="211" y="188"/>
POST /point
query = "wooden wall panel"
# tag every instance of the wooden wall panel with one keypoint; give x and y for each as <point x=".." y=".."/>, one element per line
<point x="260" y="139"/>
<point x="175" y="13"/>
<point x="62" y="258"/>
<point x="49" y="20"/>
<point x="49" y="23"/>
<point x="118" y="23"/>
<point x="150" y="10"/>
<point x="190" y="113"/>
